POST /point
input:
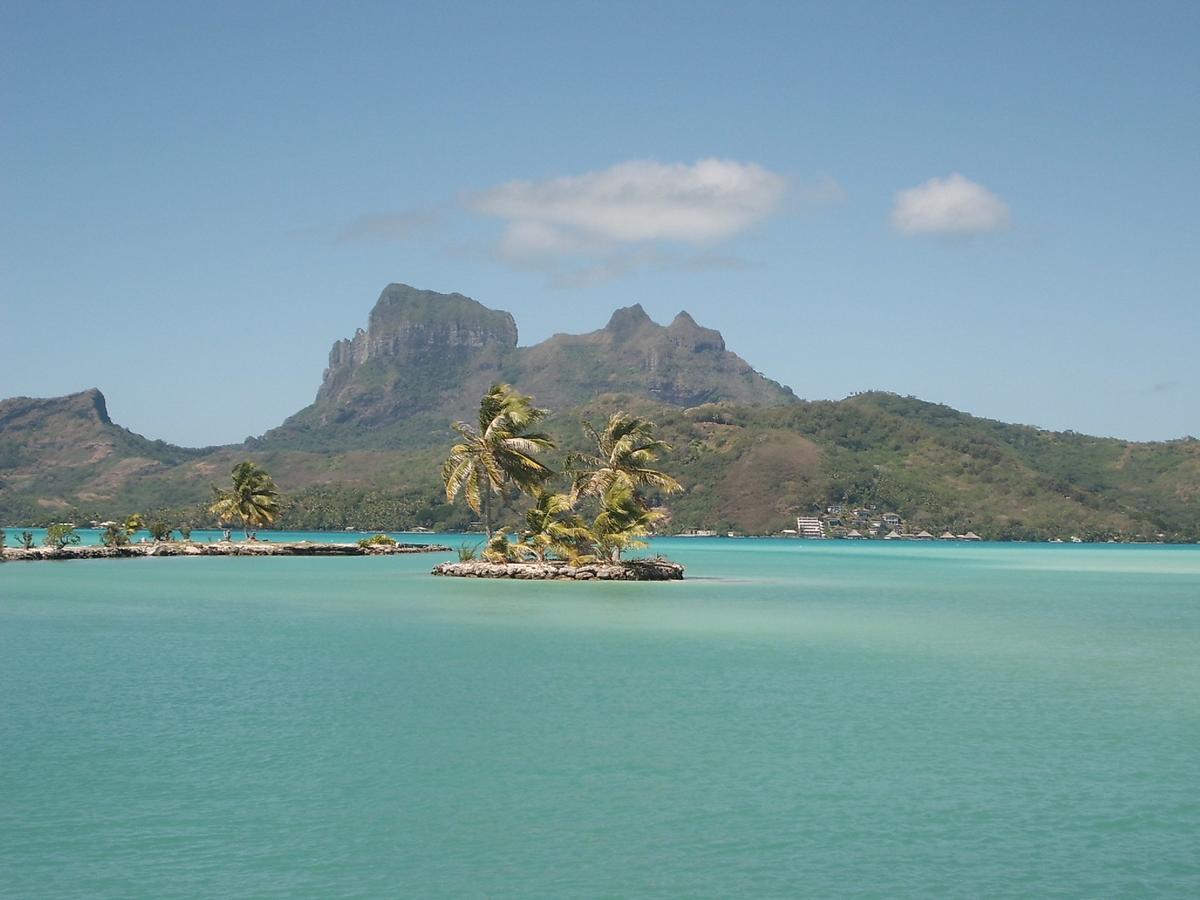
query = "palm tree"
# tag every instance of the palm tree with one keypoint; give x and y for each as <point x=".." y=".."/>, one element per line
<point x="546" y="529"/>
<point x="622" y="520"/>
<point x="253" y="499"/>
<point x="500" y="451"/>
<point x="500" y="549"/>
<point x="625" y="450"/>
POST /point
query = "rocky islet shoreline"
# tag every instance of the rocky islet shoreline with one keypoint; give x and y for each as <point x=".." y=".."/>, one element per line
<point x="628" y="570"/>
<point x="219" y="548"/>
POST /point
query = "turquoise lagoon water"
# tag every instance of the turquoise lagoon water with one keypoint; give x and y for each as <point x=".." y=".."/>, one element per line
<point x="820" y="719"/>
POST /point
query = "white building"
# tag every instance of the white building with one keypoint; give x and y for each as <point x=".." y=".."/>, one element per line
<point x="810" y="527"/>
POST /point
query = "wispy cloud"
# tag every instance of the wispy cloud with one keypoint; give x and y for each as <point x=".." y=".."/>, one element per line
<point x="582" y="229"/>
<point x="817" y="194"/>
<point x="954" y="205"/>
<point x="387" y="226"/>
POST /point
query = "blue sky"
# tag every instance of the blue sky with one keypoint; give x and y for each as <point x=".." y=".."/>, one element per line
<point x="993" y="206"/>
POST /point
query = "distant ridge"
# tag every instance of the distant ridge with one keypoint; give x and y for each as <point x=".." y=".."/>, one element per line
<point x="751" y="456"/>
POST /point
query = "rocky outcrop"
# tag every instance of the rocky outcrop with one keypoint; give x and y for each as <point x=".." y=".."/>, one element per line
<point x="221" y="548"/>
<point x="417" y="344"/>
<point x="86" y="406"/>
<point x="629" y="570"/>
<point x="410" y="326"/>
<point x="683" y="364"/>
<point x="425" y="353"/>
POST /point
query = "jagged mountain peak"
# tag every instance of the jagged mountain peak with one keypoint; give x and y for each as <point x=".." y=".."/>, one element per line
<point x="683" y="317"/>
<point x="424" y="352"/>
<point x="88" y="405"/>
<point x="628" y="319"/>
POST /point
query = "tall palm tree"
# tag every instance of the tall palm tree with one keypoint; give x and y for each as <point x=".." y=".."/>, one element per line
<point x="500" y="451"/>
<point x="625" y="451"/>
<point x="253" y="499"/>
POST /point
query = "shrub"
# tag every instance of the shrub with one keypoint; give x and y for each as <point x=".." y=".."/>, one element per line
<point x="378" y="540"/>
<point x="114" y="536"/>
<point x="500" y="549"/>
<point x="160" y="530"/>
<point x="134" y="523"/>
<point x="58" y="536"/>
<point x="185" y="532"/>
<point x="468" y="552"/>
<point x="27" y="540"/>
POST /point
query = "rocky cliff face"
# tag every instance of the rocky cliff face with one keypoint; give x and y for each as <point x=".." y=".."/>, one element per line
<point x="683" y="364"/>
<point x="412" y="327"/>
<point x="425" y="353"/>
<point x="414" y="339"/>
<point x="85" y="407"/>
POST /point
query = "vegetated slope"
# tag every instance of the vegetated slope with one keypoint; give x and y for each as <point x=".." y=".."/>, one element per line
<point x="59" y="453"/>
<point x="748" y="469"/>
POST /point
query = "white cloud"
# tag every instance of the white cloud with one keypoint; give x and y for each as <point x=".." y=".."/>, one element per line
<point x="953" y="206"/>
<point x="630" y="203"/>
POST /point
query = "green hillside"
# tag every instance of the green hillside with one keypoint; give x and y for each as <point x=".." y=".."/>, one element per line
<point x="748" y="469"/>
<point x="750" y="455"/>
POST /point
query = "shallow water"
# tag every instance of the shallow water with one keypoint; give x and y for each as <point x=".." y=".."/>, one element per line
<point x="796" y="718"/>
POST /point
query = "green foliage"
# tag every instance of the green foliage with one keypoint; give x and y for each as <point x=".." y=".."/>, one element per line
<point x="185" y="532"/>
<point x="499" y="549"/>
<point x="377" y="540"/>
<point x="114" y="535"/>
<point x="60" y="535"/>
<point x="468" y="552"/>
<point x="552" y="527"/>
<point x="134" y="523"/>
<point x="26" y="540"/>
<point x="500" y="452"/>
<point x="622" y="520"/>
<point x="159" y="530"/>
<point x="625" y="451"/>
<point x="253" y="499"/>
<point x="3" y="540"/>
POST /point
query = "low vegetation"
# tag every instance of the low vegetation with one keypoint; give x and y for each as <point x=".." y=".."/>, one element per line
<point x="377" y="540"/>
<point x="602" y="514"/>
<point x="60" y="535"/>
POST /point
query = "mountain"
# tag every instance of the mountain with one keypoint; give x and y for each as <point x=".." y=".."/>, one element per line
<point x="59" y="453"/>
<point x="750" y="454"/>
<point x="426" y="357"/>
<point x="681" y="364"/>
